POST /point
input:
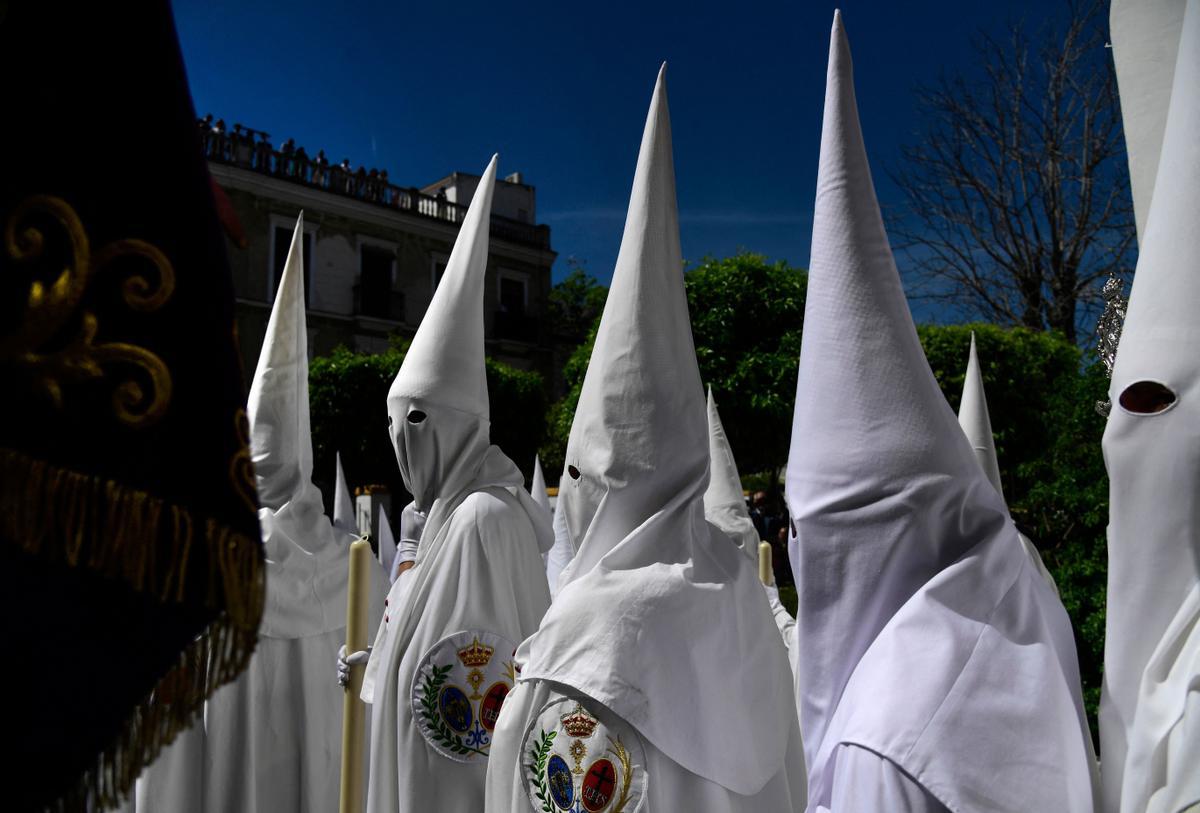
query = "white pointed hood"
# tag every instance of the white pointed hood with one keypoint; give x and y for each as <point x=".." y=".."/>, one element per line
<point x="1145" y="43"/>
<point x="306" y="555"/>
<point x="724" y="502"/>
<point x="562" y="551"/>
<point x="343" y="505"/>
<point x="914" y="594"/>
<point x="1150" y="706"/>
<point x="537" y="488"/>
<point x="658" y="615"/>
<point x="438" y="403"/>
<point x="976" y="423"/>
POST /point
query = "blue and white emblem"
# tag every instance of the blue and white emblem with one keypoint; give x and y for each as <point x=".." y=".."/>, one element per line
<point x="458" y="690"/>
<point x="575" y="761"/>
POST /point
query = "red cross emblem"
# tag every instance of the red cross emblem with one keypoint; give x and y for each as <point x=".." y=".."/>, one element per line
<point x="598" y="785"/>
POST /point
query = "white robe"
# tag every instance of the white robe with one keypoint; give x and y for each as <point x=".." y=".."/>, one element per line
<point x="668" y="786"/>
<point x="487" y="577"/>
<point x="280" y="723"/>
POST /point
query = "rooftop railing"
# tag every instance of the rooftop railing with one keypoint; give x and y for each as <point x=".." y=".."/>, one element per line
<point x="239" y="148"/>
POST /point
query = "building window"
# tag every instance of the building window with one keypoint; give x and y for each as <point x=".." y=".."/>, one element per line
<point x="280" y="244"/>
<point x="375" y="282"/>
<point x="513" y="295"/>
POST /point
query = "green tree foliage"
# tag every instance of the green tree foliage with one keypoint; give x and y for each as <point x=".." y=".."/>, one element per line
<point x="1066" y="511"/>
<point x="348" y="395"/>
<point x="1022" y="370"/>
<point x="747" y="315"/>
<point x="562" y="411"/>
<point x="575" y="303"/>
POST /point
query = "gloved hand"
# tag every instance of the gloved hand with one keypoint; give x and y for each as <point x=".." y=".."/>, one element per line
<point x="412" y="525"/>
<point x="344" y="662"/>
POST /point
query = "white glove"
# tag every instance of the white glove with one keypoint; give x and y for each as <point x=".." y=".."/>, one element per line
<point x="412" y="524"/>
<point x="344" y="663"/>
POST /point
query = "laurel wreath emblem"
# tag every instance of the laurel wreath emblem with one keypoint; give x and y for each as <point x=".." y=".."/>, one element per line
<point x="537" y="769"/>
<point x="433" y="717"/>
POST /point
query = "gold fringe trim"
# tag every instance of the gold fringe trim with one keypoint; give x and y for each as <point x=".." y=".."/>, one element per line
<point x="85" y="521"/>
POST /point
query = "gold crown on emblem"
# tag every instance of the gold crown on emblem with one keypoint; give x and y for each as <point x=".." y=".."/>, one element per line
<point x="476" y="654"/>
<point x="579" y="723"/>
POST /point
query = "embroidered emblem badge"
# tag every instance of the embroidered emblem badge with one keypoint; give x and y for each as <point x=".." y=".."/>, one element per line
<point x="452" y="714"/>
<point x="580" y="762"/>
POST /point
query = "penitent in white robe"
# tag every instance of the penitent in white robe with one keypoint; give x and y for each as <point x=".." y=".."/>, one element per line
<point x="657" y="680"/>
<point x="270" y="742"/>
<point x="927" y="635"/>
<point x="443" y="660"/>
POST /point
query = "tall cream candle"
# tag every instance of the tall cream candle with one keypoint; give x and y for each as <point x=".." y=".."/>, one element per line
<point x="358" y="596"/>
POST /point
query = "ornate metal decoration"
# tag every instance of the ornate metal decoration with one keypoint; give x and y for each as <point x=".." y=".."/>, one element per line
<point x="1108" y="331"/>
<point x="53" y="358"/>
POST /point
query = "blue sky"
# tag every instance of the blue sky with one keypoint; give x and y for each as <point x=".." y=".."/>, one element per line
<point x="560" y="90"/>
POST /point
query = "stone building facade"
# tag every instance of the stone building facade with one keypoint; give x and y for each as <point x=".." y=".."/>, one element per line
<point x="374" y="251"/>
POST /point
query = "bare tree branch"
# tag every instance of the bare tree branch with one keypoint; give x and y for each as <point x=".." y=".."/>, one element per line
<point x="1017" y="195"/>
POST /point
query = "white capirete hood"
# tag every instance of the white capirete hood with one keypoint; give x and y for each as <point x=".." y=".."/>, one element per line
<point x="307" y="557"/>
<point x="343" y="505"/>
<point x="724" y="502"/>
<point x="975" y="421"/>
<point x="438" y="409"/>
<point x="1145" y="42"/>
<point x="658" y="616"/>
<point x="537" y="488"/>
<point x="916" y="602"/>
<point x="976" y="424"/>
<point x="1150" y="705"/>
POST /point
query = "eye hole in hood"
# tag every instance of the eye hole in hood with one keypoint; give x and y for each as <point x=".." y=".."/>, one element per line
<point x="574" y="472"/>
<point x="1147" y="398"/>
<point x="416" y="416"/>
